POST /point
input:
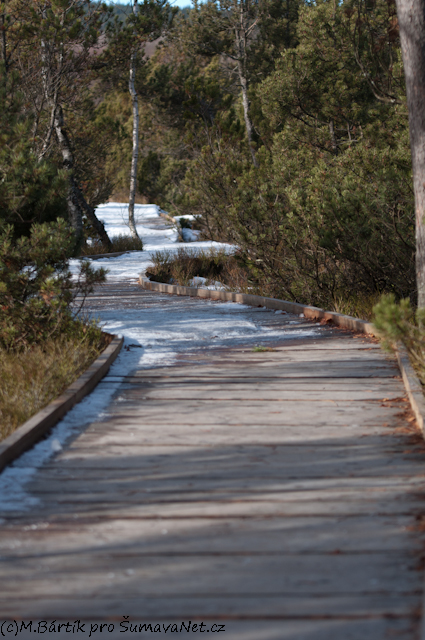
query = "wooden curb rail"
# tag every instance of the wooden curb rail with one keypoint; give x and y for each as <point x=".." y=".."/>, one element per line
<point x="413" y="388"/>
<point x="115" y="254"/>
<point x="314" y="313"/>
<point x="34" y="428"/>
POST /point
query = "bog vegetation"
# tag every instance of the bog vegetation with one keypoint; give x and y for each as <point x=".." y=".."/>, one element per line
<point x="281" y="125"/>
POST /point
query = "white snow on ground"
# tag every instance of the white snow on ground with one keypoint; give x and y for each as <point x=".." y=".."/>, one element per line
<point x="154" y="336"/>
<point x="130" y="265"/>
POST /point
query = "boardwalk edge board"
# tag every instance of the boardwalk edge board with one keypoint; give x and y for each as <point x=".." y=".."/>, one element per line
<point x="115" y="254"/>
<point x="38" y="425"/>
<point x="413" y="387"/>
<point x="313" y="313"/>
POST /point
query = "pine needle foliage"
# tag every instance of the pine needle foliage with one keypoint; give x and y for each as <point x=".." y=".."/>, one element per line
<point x="399" y="322"/>
<point x="36" y="288"/>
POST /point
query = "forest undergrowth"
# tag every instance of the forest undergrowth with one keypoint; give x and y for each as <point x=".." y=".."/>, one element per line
<point x="45" y="340"/>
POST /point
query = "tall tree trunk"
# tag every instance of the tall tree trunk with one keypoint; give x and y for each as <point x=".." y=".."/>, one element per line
<point x="135" y="153"/>
<point x="75" y="198"/>
<point x="245" y="101"/>
<point x="240" y="37"/>
<point x="4" y="41"/>
<point x="74" y="208"/>
<point x="333" y="137"/>
<point x="411" y="18"/>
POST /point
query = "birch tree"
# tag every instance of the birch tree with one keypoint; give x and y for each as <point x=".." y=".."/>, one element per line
<point x="227" y="29"/>
<point x="68" y="31"/>
<point x="411" y="18"/>
<point x="243" y="33"/>
<point x="125" y="54"/>
<point x="135" y="133"/>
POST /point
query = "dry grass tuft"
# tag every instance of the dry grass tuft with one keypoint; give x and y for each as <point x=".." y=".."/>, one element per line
<point x="118" y="243"/>
<point x="358" y="306"/>
<point x="181" y="267"/>
<point x="29" y="380"/>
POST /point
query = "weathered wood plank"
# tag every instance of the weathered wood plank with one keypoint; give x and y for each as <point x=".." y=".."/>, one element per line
<point x="137" y="408"/>
<point x="279" y="487"/>
<point x="133" y="536"/>
<point x="102" y="573"/>
<point x="213" y="435"/>
<point x="271" y="393"/>
<point x="112" y="506"/>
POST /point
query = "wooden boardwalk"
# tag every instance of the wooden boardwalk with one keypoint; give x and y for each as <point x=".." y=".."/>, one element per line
<point x="277" y="493"/>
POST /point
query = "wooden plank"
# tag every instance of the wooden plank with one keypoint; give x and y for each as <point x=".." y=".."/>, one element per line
<point x="132" y="536"/>
<point x="101" y="573"/>
<point x="246" y="392"/>
<point x="305" y="386"/>
<point x="248" y="490"/>
<point x="213" y="435"/>
<point x="215" y="466"/>
<point x="229" y="412"/>
<point x="111" y="507"/>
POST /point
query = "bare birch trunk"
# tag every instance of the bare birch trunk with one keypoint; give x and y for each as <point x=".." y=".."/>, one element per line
<point x="411" y="18"/>
<point x="135" y="153"/>
<point x="333" y="137"/>
<point x="245" y="102"/>
<point x="240" y="35"/>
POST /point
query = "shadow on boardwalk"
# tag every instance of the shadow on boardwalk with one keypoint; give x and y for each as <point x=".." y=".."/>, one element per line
<point x="280" y="494"/>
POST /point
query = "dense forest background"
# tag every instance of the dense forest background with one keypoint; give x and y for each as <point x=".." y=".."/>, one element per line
<point x="281" y="124"/>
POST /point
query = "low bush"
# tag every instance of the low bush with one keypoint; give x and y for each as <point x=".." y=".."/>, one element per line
<point x="214" y="265"/>
<point x="44" y="342"/>
<point x="233" y="272"/>
<point x="398" y="322"/>
<point x="36" y="288"/>
<point x="356" y="305"/>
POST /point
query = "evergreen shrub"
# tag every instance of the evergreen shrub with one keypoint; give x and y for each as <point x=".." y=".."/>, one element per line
<point x="398" y="322"/>
<point x="36" y="288"/>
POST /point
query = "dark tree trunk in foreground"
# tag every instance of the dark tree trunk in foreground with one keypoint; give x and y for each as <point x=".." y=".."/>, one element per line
<point x="411" y="17"/>
<point x="75" y="199"/>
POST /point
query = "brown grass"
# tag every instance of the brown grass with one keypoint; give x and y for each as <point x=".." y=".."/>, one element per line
<point x="30" y="380"/>
<point x="358" y="306"/>
<point x="213" y="265"/>
<point x="122" y="196"/>
<point x="118" y="243"/>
